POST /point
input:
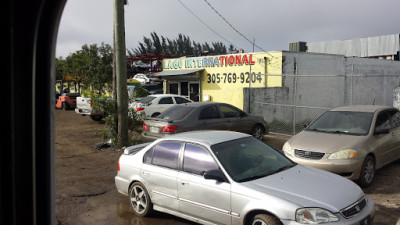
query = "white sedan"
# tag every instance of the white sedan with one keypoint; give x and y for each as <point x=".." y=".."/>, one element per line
<point x="154" y="105"/>
<point x="145" y="79"/>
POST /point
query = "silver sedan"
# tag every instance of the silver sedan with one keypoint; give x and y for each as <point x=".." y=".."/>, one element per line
<point x="224" y="177"/>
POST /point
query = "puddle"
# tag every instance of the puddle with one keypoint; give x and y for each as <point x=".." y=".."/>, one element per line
<point x="113" y="208"/>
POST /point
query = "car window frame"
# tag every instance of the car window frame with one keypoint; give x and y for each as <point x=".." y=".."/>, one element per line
<point x="391" y="113"/>
<point x="231" y="107"/>
<point x="384" y="112"/>
<point x="207" y="150"/>
<point x="166" y="97"/>
<point x="177" y="97"/>
<point x="214" y="118"/>
<point x="152" y="98"/>
<point x="152" y="150"/>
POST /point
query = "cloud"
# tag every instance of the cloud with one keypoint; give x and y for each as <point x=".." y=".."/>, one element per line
<point x="272" y="24"/>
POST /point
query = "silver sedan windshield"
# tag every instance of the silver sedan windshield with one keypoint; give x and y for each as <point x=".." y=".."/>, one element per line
<point x="248" y="159"/>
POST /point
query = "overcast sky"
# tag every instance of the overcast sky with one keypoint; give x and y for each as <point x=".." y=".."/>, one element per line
<point x="273" y="24"/>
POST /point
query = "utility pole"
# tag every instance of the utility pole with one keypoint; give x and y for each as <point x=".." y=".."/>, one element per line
<point x="114" y="90"/>
<point x="120" y="70"/>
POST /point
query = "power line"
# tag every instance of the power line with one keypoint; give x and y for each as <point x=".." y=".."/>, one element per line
<point x="206" y="24"/>
<point x="233" y="26"/>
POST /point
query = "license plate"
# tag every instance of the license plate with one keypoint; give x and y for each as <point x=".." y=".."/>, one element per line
<point x="365" y="221"/>
<point x="154" y="130"/>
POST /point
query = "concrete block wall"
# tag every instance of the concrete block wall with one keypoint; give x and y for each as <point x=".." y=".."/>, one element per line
<point x="313" y="83"/>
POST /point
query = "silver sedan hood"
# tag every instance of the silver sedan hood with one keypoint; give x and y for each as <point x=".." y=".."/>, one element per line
<point x="309" y="187"/>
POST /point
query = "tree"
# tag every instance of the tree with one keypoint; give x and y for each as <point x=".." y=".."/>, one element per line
<point x="180" y="46"/>
<point x="231" y="48"/>
<point x="219" y="48"/>
<point x="92" y="65"/>
<point x="60" y="67"/>
<point x="156" y="43"/>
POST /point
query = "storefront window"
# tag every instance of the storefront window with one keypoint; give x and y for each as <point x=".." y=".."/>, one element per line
<point x="194" y="92"/>
<point x="173" y="88"/>
<point x="184" y="89"/>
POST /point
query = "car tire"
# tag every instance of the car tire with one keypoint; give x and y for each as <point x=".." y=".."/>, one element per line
<point x="258" y="132"/>
<point x="264" y="219"/>
<point x="96" y="118"/>
<point x="64" y="106"/>
<point x="139" y="200"/>
<point x="367" y="173"/>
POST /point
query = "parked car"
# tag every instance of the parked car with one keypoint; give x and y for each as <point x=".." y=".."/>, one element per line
<point x="143" y="78"/>
<point x="224" y="177"/>
<point x="84" y="108"/>
<point x="352" y="141"/>
<point x="84" y="105"/>
<point x="156" y="88"/>
<point x="154" y="105"/>
<point x="154" y="79"/>
<point x="204" y="116"/>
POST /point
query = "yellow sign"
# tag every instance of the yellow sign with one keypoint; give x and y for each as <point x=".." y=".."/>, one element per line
<point x="225" y="76"/>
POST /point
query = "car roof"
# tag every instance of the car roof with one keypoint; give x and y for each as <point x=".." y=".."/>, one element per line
<point x="167" y="95"/>
<point x="198" y="104"/>
<point x="361" y="108"/>
<point x="209" y="137"/>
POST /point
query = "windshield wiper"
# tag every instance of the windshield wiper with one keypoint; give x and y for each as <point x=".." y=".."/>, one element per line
<point x="256" y="177"/>
<point x="327" y="131"/>
<point x="337" y="132"/>
<point x="314" y="129"/>
<point x="284" y="168"/>
<point x="268" y="173"/>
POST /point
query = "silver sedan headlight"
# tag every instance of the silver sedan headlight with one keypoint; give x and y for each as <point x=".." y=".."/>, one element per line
<point x="315" y="216"/>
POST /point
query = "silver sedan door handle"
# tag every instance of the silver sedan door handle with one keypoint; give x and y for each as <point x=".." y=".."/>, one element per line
<point x="185" y="183"/>
<point x="146" y="173"/>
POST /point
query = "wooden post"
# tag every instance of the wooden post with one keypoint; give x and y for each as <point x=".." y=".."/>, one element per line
<point x="120" y="70"/>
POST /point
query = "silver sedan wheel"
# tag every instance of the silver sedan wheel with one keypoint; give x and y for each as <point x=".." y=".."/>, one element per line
<point x="140" y="200"/>
<point x="259" y="222"/>
<point x="263" y="219"/>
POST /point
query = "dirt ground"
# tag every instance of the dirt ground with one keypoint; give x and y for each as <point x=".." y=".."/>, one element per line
<point x="86" y="194"/>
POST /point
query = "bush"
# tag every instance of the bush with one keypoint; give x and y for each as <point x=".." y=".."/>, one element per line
<point x="110" y="132"/>
<point x="140" y="92"/>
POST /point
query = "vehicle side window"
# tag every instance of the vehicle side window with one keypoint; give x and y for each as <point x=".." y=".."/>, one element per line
<point x="382" y="121"/>
<point x="197" y="160"/>
<point x="229" y="112"/>
<point x="166" y="154"/>
<point x="181" y="100"/>
<point x="148" y="156"/>
<point x="167" y="100"/>
<point x="209" y="113"/>
<point x="395" y="116"/>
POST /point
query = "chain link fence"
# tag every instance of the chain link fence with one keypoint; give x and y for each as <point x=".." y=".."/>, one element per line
<point x="304" y="97"/>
